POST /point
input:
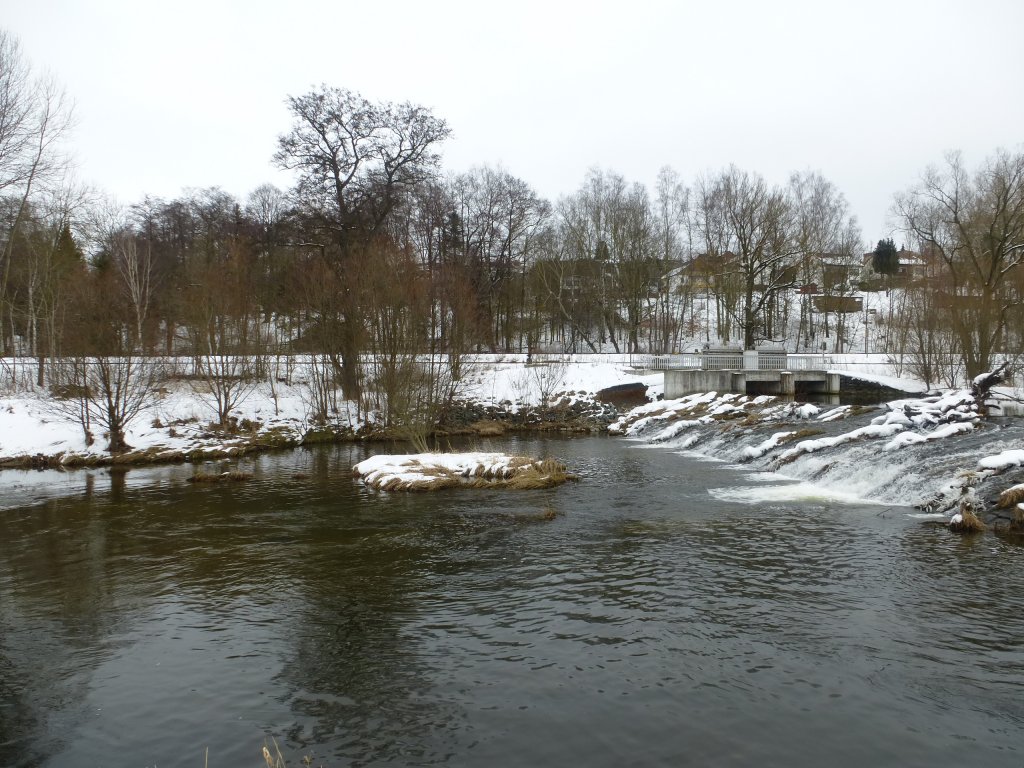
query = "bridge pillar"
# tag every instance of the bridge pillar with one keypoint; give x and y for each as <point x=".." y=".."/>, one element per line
<point x="832" y="383"/>
<point x="750" y="359"/>
<point x="787" y="383"/>
<point x="738" y="382"/>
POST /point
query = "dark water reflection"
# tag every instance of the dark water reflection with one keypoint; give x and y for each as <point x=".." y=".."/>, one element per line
<point x="143" y="619"/>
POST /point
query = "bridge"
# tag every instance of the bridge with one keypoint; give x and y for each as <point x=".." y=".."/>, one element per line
<point x="745" y="371"/>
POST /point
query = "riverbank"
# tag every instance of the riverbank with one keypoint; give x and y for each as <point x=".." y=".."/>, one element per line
<point x="501" y="395"/>
<point x="498" y="394"/>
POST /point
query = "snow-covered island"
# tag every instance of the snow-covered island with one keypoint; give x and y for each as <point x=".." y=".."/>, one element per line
<point x="435" y="471"/>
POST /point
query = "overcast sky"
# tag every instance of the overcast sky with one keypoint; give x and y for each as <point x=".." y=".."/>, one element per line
<point x="191" y="94"/>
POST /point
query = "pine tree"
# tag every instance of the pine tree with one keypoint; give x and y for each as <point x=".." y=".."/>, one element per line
<point x="885" y="259"/>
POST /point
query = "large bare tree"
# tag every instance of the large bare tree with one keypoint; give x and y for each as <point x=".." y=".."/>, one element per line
<point x="755" y="224"/>
<point x="355" y="159"/>
<point x="973" y="223"/>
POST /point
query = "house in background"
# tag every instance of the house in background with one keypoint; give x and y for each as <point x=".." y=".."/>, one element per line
<point x="913" y="266"/>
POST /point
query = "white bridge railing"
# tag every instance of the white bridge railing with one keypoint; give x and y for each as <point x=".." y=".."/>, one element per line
<point x="733" y="360"/>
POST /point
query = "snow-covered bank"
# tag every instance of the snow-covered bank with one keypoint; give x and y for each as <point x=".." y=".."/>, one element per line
<point x="37" y="429"/>
<point x="918" y="450"/>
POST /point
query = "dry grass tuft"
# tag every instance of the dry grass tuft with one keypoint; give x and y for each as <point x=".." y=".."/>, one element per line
<point x="750" y="420"/>
<point x="436" y="482"/>
<point x="784" y="460"/>
<point x="540" y="474"/>
<point x="968" y="523"/>
<point x="488" y="428"/>
<point x="276" y="760"/>
<point x="800" y="434"/>
<point x="1011" y="497"/>
<point x="860" y="410"/>
<point x="273" y="760"/>
<point x="532" y="480"/>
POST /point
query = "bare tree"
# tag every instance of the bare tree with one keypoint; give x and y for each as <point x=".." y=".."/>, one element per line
<point x="757" y="224"/>
<point x="101" y="380"/>
<point x="931" y="347"/>
<point x="607" y="230"/>
<point x="35" y="115"/>
<point x="493" y="225"/>
<point x="135" y="266"/>
<point x="110" y="391"/>
<point x="355" y="160"/>
<point x="827" y="241"/>
<point x="565" y="286"/>
<point x="671" y="218"/>
<point x="975" y="225"/>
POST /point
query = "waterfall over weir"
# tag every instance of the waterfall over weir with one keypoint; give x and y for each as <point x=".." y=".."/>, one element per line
<point x="909" y="452"/>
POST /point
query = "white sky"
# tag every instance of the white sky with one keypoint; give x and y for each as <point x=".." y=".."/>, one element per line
<point x="191" y="94"/>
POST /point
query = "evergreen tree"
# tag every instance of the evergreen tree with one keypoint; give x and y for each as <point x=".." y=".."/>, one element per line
<point x="885" y="258"/>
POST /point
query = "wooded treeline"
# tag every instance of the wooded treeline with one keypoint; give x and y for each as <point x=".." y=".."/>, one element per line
<point x="377" y="253"/>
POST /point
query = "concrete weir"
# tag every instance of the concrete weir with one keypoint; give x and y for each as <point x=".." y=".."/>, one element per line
<point x="687" y="382"/>
<point x="751" y="371"/>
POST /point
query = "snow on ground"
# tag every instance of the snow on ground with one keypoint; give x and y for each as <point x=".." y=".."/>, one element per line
<point x="912" y="438"/>
<point x="495" y="379"/>
<point x="178" y="422"/>
<point x="875" y="369"/>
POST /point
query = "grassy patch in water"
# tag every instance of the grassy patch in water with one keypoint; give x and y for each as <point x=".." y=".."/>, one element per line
<point x="488" y="428"/>
<point x="966" y="522"/>
<point x="800" y="434"/>
<point x="234" y="476"/>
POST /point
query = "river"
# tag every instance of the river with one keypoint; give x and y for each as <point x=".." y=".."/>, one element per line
<point x="656" y="620"/>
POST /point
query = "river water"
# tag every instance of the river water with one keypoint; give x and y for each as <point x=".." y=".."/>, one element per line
<point x="653" y="621"/>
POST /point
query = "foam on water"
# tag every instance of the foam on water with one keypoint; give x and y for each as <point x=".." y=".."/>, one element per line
<point x="787" y="492"/>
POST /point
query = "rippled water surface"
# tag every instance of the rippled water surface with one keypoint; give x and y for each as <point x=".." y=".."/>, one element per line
<point x="661" y="618"/>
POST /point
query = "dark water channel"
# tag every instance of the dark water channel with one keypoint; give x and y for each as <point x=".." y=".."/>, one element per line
<point x="144" y="619"/>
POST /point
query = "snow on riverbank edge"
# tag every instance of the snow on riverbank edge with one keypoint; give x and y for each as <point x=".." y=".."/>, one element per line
<point x="36" y="432"/>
